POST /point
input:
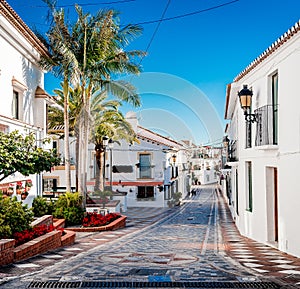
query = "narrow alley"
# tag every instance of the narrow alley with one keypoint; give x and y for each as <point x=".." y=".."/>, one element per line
<point x="194" y="245"/>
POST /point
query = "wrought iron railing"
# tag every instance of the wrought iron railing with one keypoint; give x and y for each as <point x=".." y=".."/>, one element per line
<point x="233" y="151"/>
<point x="266" y="125"/>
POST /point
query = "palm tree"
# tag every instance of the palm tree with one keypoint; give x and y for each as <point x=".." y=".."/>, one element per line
<point x="108" y="124"/>
<point x="107" y="121"/>
<point x="88" y="54"/>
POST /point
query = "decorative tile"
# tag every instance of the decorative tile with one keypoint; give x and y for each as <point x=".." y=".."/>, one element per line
<point x="252" y="265"/>
<point x="286" y="266"/>
<point x="281" y="261"/>
<point x="27" y="265"/>
<point x="260" y="270"/>
<point x="294" y="272"/>
<point x="53" y="256"/>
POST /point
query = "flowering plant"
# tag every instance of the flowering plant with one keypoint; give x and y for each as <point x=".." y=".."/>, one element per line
<point x="19" y="185"/>
<point x="28" y="183"/>
<point x="97" y="220"/>
<point x="32" y="233"/>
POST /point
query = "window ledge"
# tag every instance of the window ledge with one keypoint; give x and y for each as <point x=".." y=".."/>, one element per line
<point x="267" y="147"/>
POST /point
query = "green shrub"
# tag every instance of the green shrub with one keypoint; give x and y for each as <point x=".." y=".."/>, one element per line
<point x="41" y="206"/>
<point x="69" y="207"/>
<point x="14" y="217"/>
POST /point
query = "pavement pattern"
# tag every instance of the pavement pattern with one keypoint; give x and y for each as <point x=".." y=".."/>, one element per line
<point x="197" y="241"/>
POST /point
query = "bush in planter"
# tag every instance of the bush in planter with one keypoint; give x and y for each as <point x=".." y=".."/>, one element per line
<point x="69" y="207"/>
<point x="41" y="206"/>
<point x="14" y="217"/>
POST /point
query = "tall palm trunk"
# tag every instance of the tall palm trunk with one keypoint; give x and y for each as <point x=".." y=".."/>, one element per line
<point x="99" y="177"/>
<point x="66" y="132"/>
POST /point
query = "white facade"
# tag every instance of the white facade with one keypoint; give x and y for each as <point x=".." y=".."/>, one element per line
<point x="145" y="172"/>
<point x="263" y="183"/>
<point x="142" y="174"/>
<point x="206" y="163"/>
<point x="23" y="101"/>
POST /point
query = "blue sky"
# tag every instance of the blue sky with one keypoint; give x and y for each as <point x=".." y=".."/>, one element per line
<point x="190" y="58"/>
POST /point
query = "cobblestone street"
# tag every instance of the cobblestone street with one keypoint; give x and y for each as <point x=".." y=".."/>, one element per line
<point x="195" y="242"/>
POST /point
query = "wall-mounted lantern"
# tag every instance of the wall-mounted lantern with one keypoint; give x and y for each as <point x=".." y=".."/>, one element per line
<point x="245" y="96"/>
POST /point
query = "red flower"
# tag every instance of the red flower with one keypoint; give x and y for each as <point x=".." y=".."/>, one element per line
<point x="32" y="233"/>
<point x="97" y="220"/>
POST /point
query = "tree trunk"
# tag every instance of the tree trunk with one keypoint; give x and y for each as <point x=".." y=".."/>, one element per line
<point x="66" y="132"/>
<point x="99" y="178"/>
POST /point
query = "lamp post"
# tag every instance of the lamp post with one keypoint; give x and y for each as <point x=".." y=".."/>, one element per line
<point x="245" y="96"/>
<point x="226" y="142"/>
<point x="110" y="146"/>
<point x="173" y="167"/>
<point x="105" y="140"/>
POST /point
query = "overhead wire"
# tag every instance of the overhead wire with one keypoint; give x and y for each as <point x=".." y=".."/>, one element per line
<point x="187" y="14"/>
<point x="156" y="30"/>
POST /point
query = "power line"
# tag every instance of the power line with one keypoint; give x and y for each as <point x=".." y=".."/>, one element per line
<point x="187" y="14"/>
<point x="88" y="4"/>
<point x="156" y="29"/>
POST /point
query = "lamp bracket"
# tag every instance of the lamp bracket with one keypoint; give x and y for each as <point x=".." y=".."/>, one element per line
<point x="250" y="117"/>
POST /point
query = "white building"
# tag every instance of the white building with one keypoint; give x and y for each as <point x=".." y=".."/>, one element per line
<point x="206" y="165"/>
<point x="265" y="155"/>
<point x="149" y="172"/>
<point x="23" y="100"/>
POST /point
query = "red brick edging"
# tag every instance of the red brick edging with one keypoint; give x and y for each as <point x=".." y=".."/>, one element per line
<point x="116" y="224"/>
<point x="52" y="240"/>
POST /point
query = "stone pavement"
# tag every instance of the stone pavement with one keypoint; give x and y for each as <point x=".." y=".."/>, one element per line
<point x="195" y="242"/>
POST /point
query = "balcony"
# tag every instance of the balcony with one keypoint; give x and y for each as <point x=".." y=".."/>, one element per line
<point x="232" y="151"/>
<point x="266" y="126"/>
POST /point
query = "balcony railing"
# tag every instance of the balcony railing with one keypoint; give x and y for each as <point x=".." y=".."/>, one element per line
<point x="232" y="151"/>
<point x="266" y="129"/>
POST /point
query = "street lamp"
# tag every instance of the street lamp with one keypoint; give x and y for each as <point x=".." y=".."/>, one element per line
<point x="105" y="140"/>
<point x="110" y="146"/>
<point x="245" y="96"/>
<point x="174" y="159"/>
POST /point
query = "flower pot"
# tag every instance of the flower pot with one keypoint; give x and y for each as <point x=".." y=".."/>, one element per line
<point x="24" y="195"/>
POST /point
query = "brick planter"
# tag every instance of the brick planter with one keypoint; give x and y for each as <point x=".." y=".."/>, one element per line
<point x="115" y="225"/>
<point x="40" y="245"/>
<point x="52" y="240"/>
<point x="6" y="251"/>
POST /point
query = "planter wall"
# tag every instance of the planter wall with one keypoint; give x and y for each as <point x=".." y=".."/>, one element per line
<point x="52" y="240"/>
<point x="6" y="251"/>
<point x="115" y="225"/>
<point x="40" y="245"/>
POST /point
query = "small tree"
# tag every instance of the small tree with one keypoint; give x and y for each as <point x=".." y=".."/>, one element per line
<point x="14" y="217"/>
<point x="19" y="153"/>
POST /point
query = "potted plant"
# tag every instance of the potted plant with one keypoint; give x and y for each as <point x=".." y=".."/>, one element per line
<point x="28" y="185"/>
<point x="19" y="188"/>
<point x="10" y="191"/>
<point x="24" y="195"/>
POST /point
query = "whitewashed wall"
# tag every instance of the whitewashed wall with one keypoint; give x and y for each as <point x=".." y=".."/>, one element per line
<point x="285" y="157"/>
<point x="19" y="72"/>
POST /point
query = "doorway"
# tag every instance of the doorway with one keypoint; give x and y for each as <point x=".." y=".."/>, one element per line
<point x="272" y="204"/>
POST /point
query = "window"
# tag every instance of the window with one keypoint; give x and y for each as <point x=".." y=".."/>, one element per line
<point x="49" y="185"/>
<point x="145" y="165"/>
<point x="17" y="98"/>
<point x="16" y="105"/>
<point x="145" y="192"/>
<point x="249" y="186"/>
<point x="122" y="169"/>
<point x="275" y="107"/>
<point x="236" y="192"/>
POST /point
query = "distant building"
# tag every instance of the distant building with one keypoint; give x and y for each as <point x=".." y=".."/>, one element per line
<point x="144" y="174"/>
<point x="263" y="184"/>
<point x="205" y="165"/>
